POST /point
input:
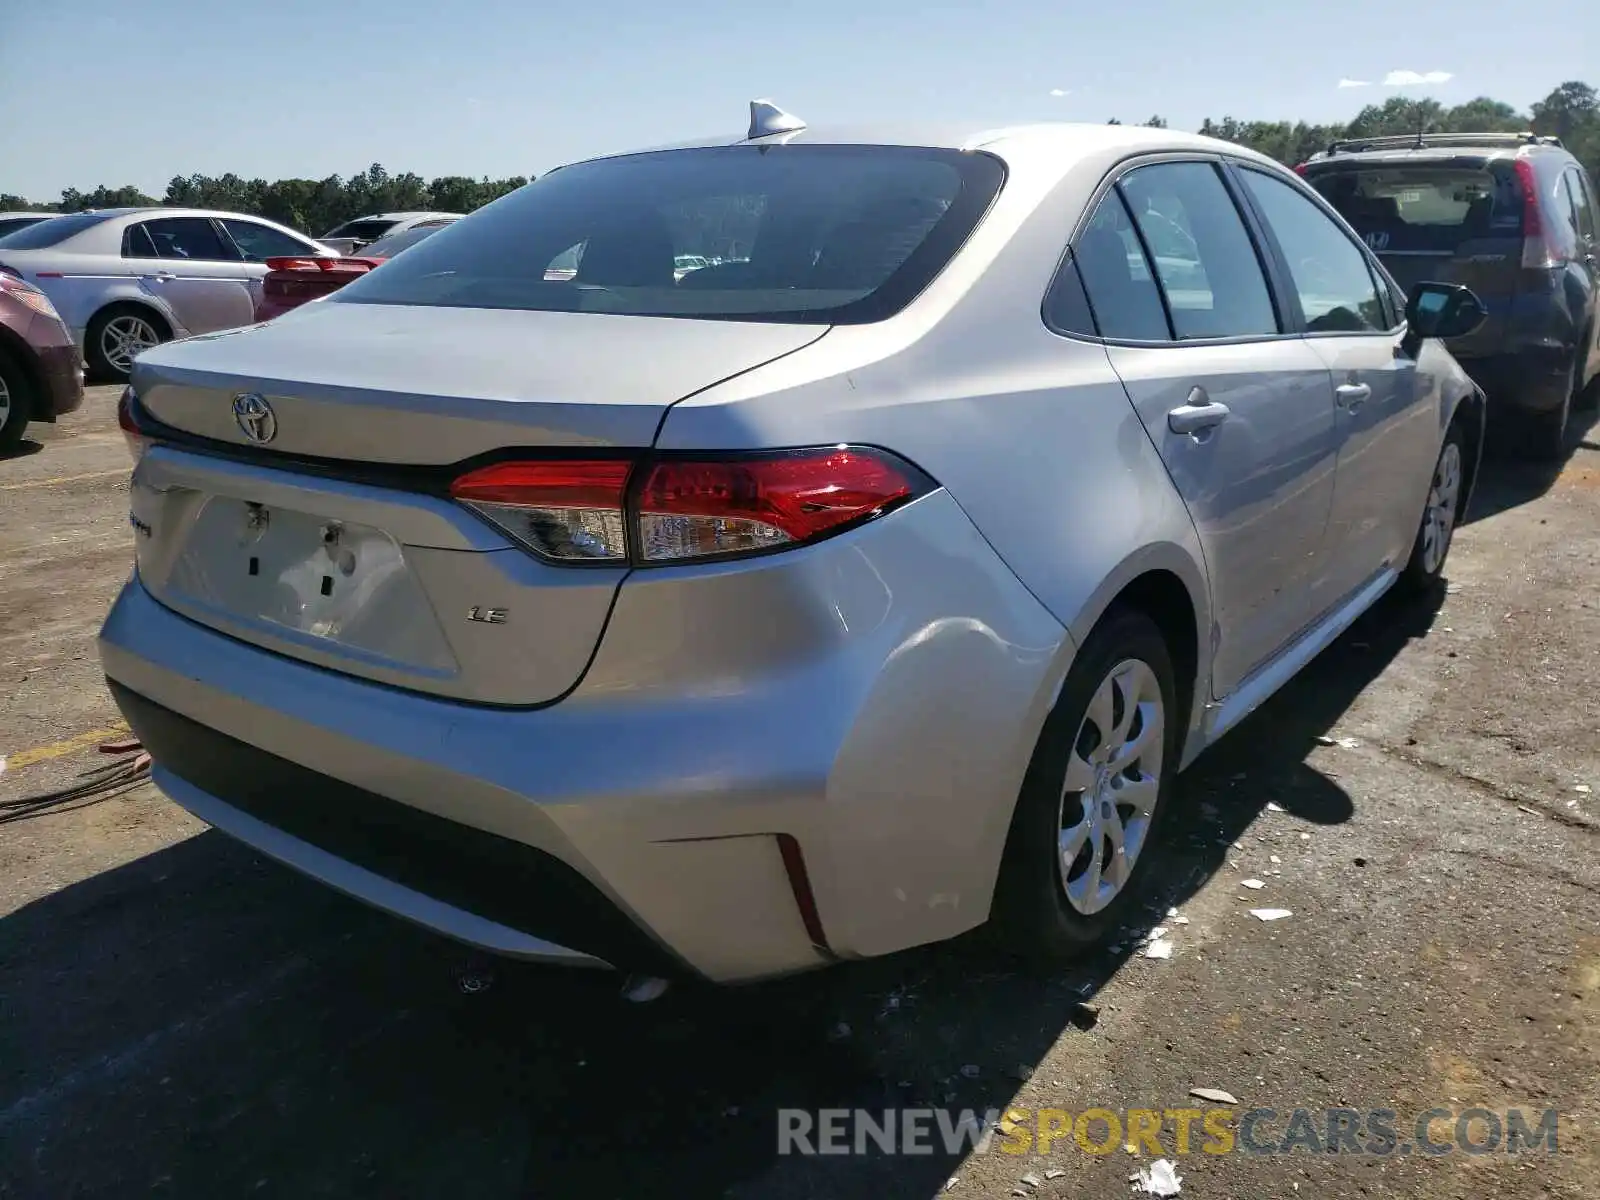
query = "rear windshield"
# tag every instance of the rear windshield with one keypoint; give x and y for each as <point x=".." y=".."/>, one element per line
<point x="1424" y="207"/>
<point x="388" y="247"/>
<point x="362" y="231"/>
<point x="820" y="234"/>
<point x="50" y="233"/>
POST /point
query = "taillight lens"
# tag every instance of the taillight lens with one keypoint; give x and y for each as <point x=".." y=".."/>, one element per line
<point x="128" y="422"/>
<point x="18" y="287"/>
<point x="679" y="509"/>
<point x="567" y="511"/>
<point x="1539" y="249"/>
<point x="693" y="510"/>
<point x="1300" y="169"/>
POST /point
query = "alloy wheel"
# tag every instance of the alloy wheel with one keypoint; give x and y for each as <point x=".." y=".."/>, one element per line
<point x="1439" y="519"/>
<point x="125" y="336"/>
<point x="1112" y="784"/>
<point x="5" y="402"/>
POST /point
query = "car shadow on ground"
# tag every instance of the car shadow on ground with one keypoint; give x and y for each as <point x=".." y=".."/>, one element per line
<point x="26" y="448"/>
<point x="200" y="1023"/>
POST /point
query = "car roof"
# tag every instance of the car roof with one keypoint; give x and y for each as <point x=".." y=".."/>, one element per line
<point x="1438" y="148"/>
<point x="12" y="216"/>
<point x="1059" y="138"/>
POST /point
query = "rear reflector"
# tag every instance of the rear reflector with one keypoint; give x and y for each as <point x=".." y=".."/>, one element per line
<point x="674" y="510"/>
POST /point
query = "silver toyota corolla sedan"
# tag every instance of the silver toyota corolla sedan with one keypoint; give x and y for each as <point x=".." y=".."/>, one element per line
<point x="863" y="587"/>
<point x="126" y="279"/>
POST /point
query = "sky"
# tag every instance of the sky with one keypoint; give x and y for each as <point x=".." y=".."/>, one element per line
<point x="98" y="92"/>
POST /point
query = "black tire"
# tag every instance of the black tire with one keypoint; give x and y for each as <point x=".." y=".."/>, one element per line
<point x="94" y="353"/>
<point x="18" y="410"/>
<point x="1426" y="564"/>
<point x="1584" y="398"/>
<point x="1032" y="915"/>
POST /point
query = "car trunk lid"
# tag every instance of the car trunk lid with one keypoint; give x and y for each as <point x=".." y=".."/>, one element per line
<point x="334" y="541"/>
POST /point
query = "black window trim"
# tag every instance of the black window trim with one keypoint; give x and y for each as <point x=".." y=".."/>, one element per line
<point x="1375" y="269"/>
<point x="1280" y="295"/>
<point x="1578" y="193"/>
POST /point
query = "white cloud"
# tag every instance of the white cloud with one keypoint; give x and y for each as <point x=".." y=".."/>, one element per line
<point x="1410" y="78"/>
<point x="1058" y="92"/>
<point x="1350" y="83"/>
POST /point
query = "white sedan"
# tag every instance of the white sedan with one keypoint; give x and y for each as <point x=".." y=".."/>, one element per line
<point x="126" y="279"/>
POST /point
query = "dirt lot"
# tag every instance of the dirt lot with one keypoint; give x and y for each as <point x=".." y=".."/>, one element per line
<point x="178" y="1018"/>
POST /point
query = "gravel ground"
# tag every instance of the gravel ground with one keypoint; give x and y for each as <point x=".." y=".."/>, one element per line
<point x="178" y="1018"/>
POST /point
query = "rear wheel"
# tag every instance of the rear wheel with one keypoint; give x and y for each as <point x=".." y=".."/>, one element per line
<point x="16" y="403"/>
<point x="1439" y="515"/>
<point x="116" y="335"/>
<point x="1094" y="796"/>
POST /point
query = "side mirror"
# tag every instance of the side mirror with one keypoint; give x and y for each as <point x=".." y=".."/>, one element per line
<point x="1443" y="310"/>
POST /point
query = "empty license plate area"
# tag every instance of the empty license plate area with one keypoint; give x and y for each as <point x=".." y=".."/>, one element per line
<point x="307" y="575"/>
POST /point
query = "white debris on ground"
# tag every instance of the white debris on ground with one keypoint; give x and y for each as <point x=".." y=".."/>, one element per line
<point x="1160" y="1178"/>
<point x="1160" y="948"/>
<point x="1581" y="787"/>
<point x="1255" y="885"/>
<point x="1270" y="914"/>
<point x="1273" y="806"/>
<point x="1215" y="1095"/>
<point x="1348" y="743"/>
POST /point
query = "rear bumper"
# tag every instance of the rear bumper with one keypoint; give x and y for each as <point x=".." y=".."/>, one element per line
<point x="61" y="372"/>
<point x="1534" y="377"/>
<point x="641" y="821"/>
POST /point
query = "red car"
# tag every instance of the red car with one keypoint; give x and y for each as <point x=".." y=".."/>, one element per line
<point x="291" y="282"/>
<point x="41" y="367"/>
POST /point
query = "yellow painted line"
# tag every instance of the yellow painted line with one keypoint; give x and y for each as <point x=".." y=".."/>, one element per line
<point x="59" y="479"/>
<point x="39" y="754"/>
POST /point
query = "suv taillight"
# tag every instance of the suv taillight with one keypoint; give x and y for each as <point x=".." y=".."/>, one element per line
<point x="676" y="509"/>
<point x="1540" y="252"/>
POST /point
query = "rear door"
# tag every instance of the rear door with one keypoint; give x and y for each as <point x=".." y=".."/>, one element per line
<point x="196" y="271"/>
<point x="1438" y="218"/>
<point x="1388" y="431"/>
<point x="1239" y="407"/>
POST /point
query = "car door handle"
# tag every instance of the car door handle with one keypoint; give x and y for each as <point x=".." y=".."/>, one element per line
<point x="1352" y="395"/>
<point x="1195" y="417"/>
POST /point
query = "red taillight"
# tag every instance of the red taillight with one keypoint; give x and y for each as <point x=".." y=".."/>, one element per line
<point x="568" y="511"/>
<point x="354" y="265"/>
<point x="708" y="509"/>
<point x="682" y="510"/>
<point x="1300" y="169"/>
<point x="1539" y="249"/>
<point x="138" y="441"/>
<point x="292" y="264"/>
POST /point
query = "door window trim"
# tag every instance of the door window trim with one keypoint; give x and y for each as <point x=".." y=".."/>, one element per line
<point x="143" y="227"/>
<point x="1290" y="322"/>
<point x="227" y="237"/>
<point x="1375" y="272"/>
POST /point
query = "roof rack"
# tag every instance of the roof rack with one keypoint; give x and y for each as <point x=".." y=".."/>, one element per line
<point x="1428" y="141"/>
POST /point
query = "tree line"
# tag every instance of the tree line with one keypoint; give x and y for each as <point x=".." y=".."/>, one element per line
<point x="1570" y="112"/>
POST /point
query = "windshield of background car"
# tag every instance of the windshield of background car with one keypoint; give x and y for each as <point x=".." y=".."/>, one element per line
<point x="363" y="230"/>
<point x="388" y="247"/>
<point x="1424" y="207"/>
<point x="816" y="234"/>
<point x="49" y="233"/>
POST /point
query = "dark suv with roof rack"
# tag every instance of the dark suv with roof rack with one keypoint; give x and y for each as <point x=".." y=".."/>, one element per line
<point x="1511" y="216"/>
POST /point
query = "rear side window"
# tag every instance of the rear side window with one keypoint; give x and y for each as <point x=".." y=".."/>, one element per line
<point x="1204" y="259"/>
<point x="816" y="234"/>
<point x="261" y="242"/>
<point x="1582" y="207"/>
<point x="193" y="239"/>
<point x="1424" y="207"/>
<point x="1116" y="274"/>
<point x="1336" y="288"/>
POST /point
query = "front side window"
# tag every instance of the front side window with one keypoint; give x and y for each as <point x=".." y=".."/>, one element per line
<point x="817" y="234"/>
<point x="1203" y="256"/>
<point x="1335" y="287"/>
<point x="191" y="239"/>
<point x="261" y="242"/>
<point x="1582" y="213"/>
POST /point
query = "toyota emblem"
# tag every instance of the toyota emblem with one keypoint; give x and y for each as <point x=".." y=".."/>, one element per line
<point x="255" y="416"/>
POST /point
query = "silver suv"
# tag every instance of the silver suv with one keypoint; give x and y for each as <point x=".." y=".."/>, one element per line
<point x="862" y="587"/>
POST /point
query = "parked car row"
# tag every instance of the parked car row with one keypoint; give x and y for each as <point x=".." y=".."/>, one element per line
<point x="128" y="279"/>
<point x="810" y="605"/>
